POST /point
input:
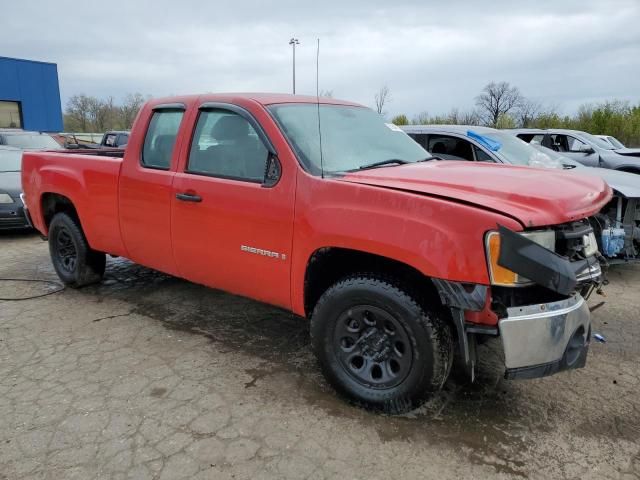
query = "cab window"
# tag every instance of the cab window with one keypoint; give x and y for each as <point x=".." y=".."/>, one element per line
<point x="226" y="145"/>
<point x="161" y="138"/>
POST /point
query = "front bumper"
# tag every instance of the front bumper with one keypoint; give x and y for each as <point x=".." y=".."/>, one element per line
<point x="544" y="339"/>
<point x="13" y="216"/>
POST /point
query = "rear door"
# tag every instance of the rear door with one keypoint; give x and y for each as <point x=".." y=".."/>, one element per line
<point x="145" y="190"/>
<point x="231" y="229"/>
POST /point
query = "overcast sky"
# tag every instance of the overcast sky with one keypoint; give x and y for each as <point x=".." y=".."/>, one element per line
<point x="433" y="55"/>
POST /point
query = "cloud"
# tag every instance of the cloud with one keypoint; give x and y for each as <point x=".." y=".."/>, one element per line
<point x="433" y="56"/>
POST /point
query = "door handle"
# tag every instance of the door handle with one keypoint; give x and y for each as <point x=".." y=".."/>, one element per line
<point x="189" y="197"/>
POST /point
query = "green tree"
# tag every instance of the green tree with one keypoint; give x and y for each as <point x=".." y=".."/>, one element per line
<point x="400" y="119"/>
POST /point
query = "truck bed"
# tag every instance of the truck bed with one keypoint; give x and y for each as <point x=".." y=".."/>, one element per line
<point x="97" y="152"/>
<point x="89" y="180"/>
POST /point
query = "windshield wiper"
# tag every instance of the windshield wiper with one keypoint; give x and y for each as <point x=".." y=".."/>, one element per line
<point x="391" y="161"/>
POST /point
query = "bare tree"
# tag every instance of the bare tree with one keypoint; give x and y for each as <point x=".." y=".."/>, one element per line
<point x="527" y="112"/>
<point x="470" y="117"/>
<point x="326" y="93"/>
<point x="421" y="119"/>
<point x="382" y="97"/>
<point x="78" y="108"/>
<point x="130" y="108"/>
<point x="497" y="99"/>
<point x="92" y="114"/>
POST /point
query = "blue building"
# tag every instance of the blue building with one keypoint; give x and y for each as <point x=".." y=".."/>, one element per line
<point x="29" y="95"/>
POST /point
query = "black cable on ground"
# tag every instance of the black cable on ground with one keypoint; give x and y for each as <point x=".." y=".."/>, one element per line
<point x="59" y="287"/>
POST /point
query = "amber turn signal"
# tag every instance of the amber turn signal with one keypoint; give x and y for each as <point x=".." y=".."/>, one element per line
<point x="498" y="275"/>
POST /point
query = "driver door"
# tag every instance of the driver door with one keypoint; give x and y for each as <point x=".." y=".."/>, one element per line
<point x="230" y="229"/>
<point x="575" y="149"/>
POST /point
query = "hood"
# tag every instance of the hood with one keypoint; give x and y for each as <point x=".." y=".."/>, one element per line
<point x="628" y="184"/>
<point x="534" y="197"/>
<point x="10" y="183"/>
<point x="629" y="152"/>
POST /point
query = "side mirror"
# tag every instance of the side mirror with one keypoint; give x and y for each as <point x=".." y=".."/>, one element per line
<point x="71" y="146"/>
<point x="586" y="149"/>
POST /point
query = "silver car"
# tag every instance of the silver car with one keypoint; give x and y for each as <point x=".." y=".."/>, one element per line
<point x="25" y="140"/>
<point x="584" y="148"/>
<point x="615" y="143"/>
<point x="617" y="226"/>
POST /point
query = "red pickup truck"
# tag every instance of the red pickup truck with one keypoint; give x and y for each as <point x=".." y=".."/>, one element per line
<point x="317" y="206"/>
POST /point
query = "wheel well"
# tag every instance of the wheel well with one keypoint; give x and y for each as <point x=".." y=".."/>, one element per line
<point x="328" y="265"/>
<point x="53" y="203"/>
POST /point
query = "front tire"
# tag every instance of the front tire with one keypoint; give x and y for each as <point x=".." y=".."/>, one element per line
<point x="73" y="259"/>
<point x="378" y="346"/>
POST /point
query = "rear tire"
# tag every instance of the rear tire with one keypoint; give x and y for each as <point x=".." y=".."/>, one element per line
<point x="378" y="346"/>
<point x="75" y="262"/>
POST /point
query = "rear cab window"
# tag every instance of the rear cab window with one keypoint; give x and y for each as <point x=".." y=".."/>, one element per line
<point x="161" y="138"/>
<point x="110" y="140"/>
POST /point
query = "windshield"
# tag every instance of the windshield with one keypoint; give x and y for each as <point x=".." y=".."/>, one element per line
<point x="555" y="156"/>
<point x="598" y="142"/>
<point x="31" y="140"/>
<point x="518" y="152"/>
<point x="352" y="137"/>
<point x="10" y="160"/>
<point x="615" y="142"/>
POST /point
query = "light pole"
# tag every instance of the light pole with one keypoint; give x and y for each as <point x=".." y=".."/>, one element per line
<point x="293" y="42"/>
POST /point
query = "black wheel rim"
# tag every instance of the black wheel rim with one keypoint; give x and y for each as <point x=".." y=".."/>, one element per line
<point x="373" y="347"/>
<point x="66" y="250"/>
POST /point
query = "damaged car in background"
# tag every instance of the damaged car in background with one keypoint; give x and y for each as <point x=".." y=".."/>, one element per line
<point x="12" y="214"/>
<point x="583" y="147"/>
<point x="616" y="226"/>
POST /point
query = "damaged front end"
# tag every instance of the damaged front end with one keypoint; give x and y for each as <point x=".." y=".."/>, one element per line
<point x="539" y="282"/>
<point x="617" y="229"/>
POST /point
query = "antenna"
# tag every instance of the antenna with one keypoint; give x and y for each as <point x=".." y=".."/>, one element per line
<point x="318" y="104"/>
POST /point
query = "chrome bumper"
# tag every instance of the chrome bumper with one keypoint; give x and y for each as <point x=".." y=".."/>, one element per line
<point x="541" y="340"/>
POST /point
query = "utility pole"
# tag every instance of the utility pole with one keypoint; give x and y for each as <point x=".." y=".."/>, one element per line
<point x="293" y="42"/>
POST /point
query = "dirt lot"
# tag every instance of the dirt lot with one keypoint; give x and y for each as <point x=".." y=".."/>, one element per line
<point x="148" y="376"/>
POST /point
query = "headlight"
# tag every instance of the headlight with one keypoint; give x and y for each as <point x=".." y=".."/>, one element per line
<point x="4" y="198"/>
<point x="590" y="244"/>
<point x="503" y="276"/>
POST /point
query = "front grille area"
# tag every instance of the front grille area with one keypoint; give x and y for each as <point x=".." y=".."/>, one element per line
<point x="570" y="238"/>
<point x="12" y="217"/>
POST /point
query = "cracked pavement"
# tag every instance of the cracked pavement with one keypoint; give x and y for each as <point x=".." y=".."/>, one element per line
<point x="147" y="376"/>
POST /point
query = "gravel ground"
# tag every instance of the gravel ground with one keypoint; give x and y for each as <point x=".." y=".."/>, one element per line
<point x="148" y="376"/>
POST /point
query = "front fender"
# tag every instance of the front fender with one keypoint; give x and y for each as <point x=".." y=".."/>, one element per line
<point x="439" y="238"/>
